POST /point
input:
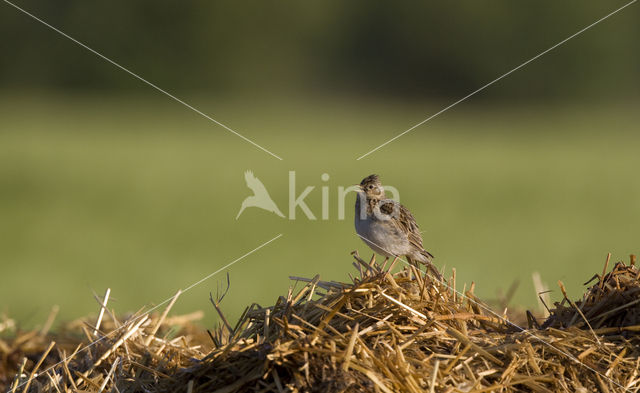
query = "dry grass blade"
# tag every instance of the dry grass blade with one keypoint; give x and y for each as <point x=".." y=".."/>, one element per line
<point x="385" y="332"/>
<point x="162" y="317"/>
<point x="35" y="369"/>
<point x="18" y="375"/>
<point x="103" y="306"/>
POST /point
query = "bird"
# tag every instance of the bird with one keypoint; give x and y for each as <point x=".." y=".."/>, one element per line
<point x="260" y="197"/>
<point x="388" y="227"/>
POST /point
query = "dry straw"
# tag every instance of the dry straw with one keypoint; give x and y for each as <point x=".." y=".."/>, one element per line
<point x="382" y="332"/>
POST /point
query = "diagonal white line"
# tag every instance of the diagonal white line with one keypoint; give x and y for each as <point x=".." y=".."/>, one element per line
<point x="497" y="79"/>
<point x="143" y="80"/>
<point x="133" y="320"/>
<point x="228" y="265"/>
<point x="526" y="331"/>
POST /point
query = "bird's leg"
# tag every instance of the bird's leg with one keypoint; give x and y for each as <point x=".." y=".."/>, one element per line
<point x="385" y="263"/>
<point x="395" y="259"/>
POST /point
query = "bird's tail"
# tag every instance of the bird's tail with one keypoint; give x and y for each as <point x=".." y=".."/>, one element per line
<point x="430" y="266"/>
<point x="427" y="255"/>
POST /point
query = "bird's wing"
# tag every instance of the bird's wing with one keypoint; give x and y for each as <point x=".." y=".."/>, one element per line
<point x="255" y="184"/>
<point x="403" y="220"/>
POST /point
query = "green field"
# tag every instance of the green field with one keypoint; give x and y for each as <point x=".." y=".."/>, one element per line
<point x="139" y="194"/>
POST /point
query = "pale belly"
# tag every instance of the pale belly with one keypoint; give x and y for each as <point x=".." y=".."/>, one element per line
<point x="382" y="237"/>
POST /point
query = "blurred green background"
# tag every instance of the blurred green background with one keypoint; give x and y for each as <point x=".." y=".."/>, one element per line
<point x="104" y="182"/>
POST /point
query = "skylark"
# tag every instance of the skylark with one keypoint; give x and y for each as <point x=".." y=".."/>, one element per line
<point x="388" y="227"/>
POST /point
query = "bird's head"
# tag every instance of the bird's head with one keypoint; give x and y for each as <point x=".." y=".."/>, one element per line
<point x="372" y="187"/>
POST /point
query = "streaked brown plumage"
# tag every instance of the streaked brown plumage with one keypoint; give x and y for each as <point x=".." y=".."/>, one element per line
<point x="387" y="226"/>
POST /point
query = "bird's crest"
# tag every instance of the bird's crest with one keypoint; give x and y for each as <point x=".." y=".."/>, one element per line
<point x="371" y="179"/>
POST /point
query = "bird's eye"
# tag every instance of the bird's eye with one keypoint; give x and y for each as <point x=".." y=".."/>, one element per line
<point x="370" y="186"/>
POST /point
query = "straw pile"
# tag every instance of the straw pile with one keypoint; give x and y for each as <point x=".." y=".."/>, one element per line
<point x="613" y="302"/>
<point x="382" y="332"/>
